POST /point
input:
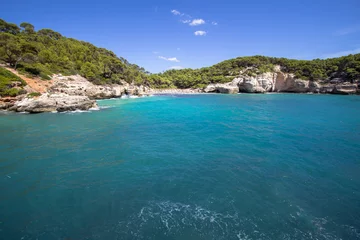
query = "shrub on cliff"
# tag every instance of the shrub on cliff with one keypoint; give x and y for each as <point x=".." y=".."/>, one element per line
<point x="8" y="82"/>
<point x="34" y="94"/>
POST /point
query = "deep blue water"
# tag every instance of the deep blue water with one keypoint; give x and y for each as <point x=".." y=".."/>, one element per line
<point x="273" y="166"/>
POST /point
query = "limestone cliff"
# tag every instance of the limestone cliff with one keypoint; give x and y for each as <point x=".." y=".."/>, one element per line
<point x="65" y="93"/>
<point x="278" y="81"/>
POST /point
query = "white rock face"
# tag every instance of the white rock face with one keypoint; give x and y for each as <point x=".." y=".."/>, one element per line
<point x="210" y="88"/>
<point x="79" y="86"/>
<point x="250" y="85"/>
<point x="54" y="102"/>
<point x="269" y="82"/>
<point x="274" y="82"/>
<point x="229" y="88"/>
<point x="259" y="84"/>
<point x="314" y="87"/>
<point x="296" y="85"/>
<point x="345" y="89"/>
<point x="280" y="81"/>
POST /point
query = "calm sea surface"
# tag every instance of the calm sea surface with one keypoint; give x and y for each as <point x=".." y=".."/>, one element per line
<point x="272" y="166"/>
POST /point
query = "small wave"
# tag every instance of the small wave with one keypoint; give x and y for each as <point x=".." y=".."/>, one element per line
<point x="76" y="111"/>
<point x="105" y="107"/>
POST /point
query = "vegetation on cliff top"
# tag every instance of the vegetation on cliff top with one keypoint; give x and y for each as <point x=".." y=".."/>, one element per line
<point x="44" y="52"/>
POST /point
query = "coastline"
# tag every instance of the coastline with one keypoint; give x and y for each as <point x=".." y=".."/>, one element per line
<point x="72" y="93"/>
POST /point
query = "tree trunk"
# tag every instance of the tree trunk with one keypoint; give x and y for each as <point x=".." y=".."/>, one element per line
<point x="16" y="63"/>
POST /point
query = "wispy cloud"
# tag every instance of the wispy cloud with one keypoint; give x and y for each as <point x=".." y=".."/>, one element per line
<point x="214" y="23"/>
<point x="176" y="67"/>
<point x="178" y="49"/>
<point x="341" y="53"/>
<point x="173" y="59"/>
<point x="346" y="31"/>
<point x="200" y="33"/>
<point x="175" y="12"/>
<point x="185" y="21"/>
<point x="196" y="22"/>
<point x="155" y="52"/>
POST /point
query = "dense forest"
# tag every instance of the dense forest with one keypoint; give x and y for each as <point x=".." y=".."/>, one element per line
<point x="45" y="52"/>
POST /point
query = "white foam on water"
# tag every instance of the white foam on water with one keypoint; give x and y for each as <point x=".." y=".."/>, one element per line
<point x="173" y="218"/>
<point x="242" y="236"/>
<point x="84" y="111"/>
<point x="76" y="111"/>
<point x="176" y="216"/>
<point x="105" y="107"/>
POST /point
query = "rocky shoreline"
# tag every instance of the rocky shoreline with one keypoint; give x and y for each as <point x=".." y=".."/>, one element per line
<point x="70" y="93"/>
<point x="283" y="82"/>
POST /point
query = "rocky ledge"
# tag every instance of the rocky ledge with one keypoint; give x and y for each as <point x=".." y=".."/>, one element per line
<point x="278" y="81"/>
<point x="78" y="86"/>
<point x="53" y="102"/>
<point x="70" y="93"/>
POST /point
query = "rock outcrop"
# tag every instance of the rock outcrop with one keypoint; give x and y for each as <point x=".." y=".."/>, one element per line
<point x="227" y="88"/>
<point x="70" y="93"/>
<point x="79" y="86"/>
<point x="345" y="89"/>
<point x="53" y="102"/>
<point x="278" y="81"/>
<point x="250" y="85"/>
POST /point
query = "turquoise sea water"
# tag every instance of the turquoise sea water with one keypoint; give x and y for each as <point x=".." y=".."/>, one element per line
<point x="273" y="166"/>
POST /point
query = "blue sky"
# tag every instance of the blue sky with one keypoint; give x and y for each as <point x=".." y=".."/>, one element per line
<point x="152" y="35"/>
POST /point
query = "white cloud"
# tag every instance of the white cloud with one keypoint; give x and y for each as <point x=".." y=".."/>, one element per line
<point x="214" y="23"/>
<point x="347" y="31"/>
<point x="185" y="21"/>
<point x="196" y="22"/>
<point x="154" y="52"/>
<point x="200" y="33"/>
<point x="174" y="59"/>
<point x="176" y="67"/>
<point x="175" y="12"/>
<point x="341" y="53"/>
